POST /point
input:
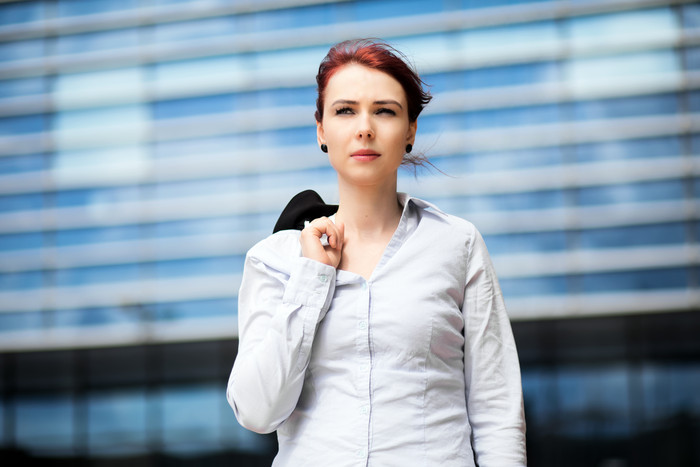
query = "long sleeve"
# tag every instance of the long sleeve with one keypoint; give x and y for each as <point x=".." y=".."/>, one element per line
<point x="491" y="371"/>
<point x="279" y="311"/>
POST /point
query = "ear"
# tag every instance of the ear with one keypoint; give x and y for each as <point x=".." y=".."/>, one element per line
<point x="411" y="134"/>
<point x="320" y="134"/>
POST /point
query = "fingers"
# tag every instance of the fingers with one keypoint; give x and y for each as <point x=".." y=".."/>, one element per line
<point x="324" y="226"/>
<point x="311" y="241"/>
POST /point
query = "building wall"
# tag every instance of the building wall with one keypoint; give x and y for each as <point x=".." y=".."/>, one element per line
<point x="145" y="145"/>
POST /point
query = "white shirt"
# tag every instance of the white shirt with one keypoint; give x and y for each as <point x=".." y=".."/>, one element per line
<point x="414" y="367"/>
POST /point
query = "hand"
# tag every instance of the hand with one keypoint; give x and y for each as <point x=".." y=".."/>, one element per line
<point x="311" y="246"/>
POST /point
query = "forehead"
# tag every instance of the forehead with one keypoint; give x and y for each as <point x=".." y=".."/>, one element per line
<point x="357" y="82"/>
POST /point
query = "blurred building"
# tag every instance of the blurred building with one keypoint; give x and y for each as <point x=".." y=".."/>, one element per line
<point x="145" y="145"/>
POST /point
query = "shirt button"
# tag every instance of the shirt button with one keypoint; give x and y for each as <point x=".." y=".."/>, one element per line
<point x="364" y="286"/>
<point x="364" y="410"/>
<point x="323" y="278"/>
<point x="362" y="324"/>
<point x="360" y="453"/>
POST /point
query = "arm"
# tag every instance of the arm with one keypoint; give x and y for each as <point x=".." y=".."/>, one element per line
<point x="278" y="314"/>
<point x="491" y="368"/>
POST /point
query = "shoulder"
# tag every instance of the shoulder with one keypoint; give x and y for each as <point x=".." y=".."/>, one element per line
<point x="435" y="218"/>
<point x="277" y="251"/>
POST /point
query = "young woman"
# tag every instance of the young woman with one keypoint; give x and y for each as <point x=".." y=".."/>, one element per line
<point x="377" y="336"/>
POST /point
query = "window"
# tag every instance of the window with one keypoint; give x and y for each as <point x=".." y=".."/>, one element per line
<point x="81" y="7"/>
<point x="97" y="274"/>
<point x="22" y="87"/>
<point x="10" y="126"/>
<point x="116" y="421"/>
<point x="633" y="236"/>
<point x="526" y="242"/>
<point x="626" y="107"/>
<point x="630" y="149"/>
<point x="96" y="235"/>
<point x="21" y="50"/>
<point x="200" y="266"/>
<point x="45" y="424"/>
<point x="196" y="309"/>
<point x="21" y="321"/>
<point x="653" y="279"/>
<point x="631" y="193"/>
<point x="21" y="280"/>
<point x="533" y="286"/>
<point x="96" y="41"/>
<point x="21" y="12"/>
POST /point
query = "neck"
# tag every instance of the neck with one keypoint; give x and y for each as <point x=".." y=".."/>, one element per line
<point x="368" y="210"/>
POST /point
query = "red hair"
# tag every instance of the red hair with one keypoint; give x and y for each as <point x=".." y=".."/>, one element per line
<point x="378" y="56"/>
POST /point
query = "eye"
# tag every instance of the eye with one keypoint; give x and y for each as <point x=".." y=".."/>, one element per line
<point x="385" y="110"/>
<point x="343" y="111"/>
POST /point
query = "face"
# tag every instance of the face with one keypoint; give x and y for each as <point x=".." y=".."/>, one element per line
<point x="365" y="125"/>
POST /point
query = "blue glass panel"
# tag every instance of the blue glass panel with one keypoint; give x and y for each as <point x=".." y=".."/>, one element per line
<point x="96" y="196"/>
<point x="287" y="96"/>
<point x="626" y="107"/>
<point x="632" y="193"/>
<point x="694" y="101"/>
<point x="93" y="41"/>
<point x="21" y="241"/>
<point x="21" y="280"/>
<point x="117" y="421"/>
<point x="654" y="279"/>
<point x="492" y="3"/>
<point x="594" y="401"/>
<point x="201" y="187"/>
<point x="195" y="29"/>
<point x="287" y="18"/>
<point x="18" y="164"/>
<point x="691" y="16"/>
<point x="21" y="50"/>
<point x="200" y="266"/>
<point x="31" y="201"/>
<point x="99" y="316"/>
<point x="21" y="321"/>
<point x="193" y="106"/>
<point x="441" y="82"/>
<point x="20" y="125"/>
<point x="532" y="286"/>
<point x="196" y="309"/>
<point x="530" y="73"/>
<point x="512" y="117"/>
<point x="97" y="235"/>
<point x="526" y="242"/>
<point x="516" y="201"/>
<point x="45" y="424"/>
<point x="692" y="58"/>
<point x="97" y="274"/>
<point x="195" y="227"/>
<point x="21" y="12"/>
<point x="508" y="160"/>
<point x="630" y="149"/>
<point x="299" y="178"/>
<point x="304" y="134"/>
<point x="83" y="7"/>
<point x="22" y="87"/>
<point x="191" y="418"/>
<point x="539" y="392"/>
<point x="669" y="391"/>
<point x="660" y="234"/>
<point x="364" y="9"/>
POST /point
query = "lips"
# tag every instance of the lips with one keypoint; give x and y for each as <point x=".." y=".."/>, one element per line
<point x="365" y="155"/>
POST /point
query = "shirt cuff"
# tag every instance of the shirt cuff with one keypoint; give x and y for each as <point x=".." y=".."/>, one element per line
<point x="311" y="283"/>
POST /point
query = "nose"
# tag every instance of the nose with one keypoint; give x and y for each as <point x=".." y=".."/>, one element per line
<point x="364" y="130"/>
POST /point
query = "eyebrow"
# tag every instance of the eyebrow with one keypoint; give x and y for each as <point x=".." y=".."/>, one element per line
<point x="382" y="102"/>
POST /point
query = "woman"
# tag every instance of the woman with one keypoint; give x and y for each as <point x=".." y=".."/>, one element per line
<point x="377" y="336"/>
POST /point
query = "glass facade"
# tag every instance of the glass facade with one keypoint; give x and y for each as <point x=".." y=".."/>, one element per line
<point x="146" y="145"/>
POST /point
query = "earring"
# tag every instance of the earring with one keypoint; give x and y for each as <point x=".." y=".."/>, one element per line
<point x="409" y="148"/>
<point x="324" y="148"/>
